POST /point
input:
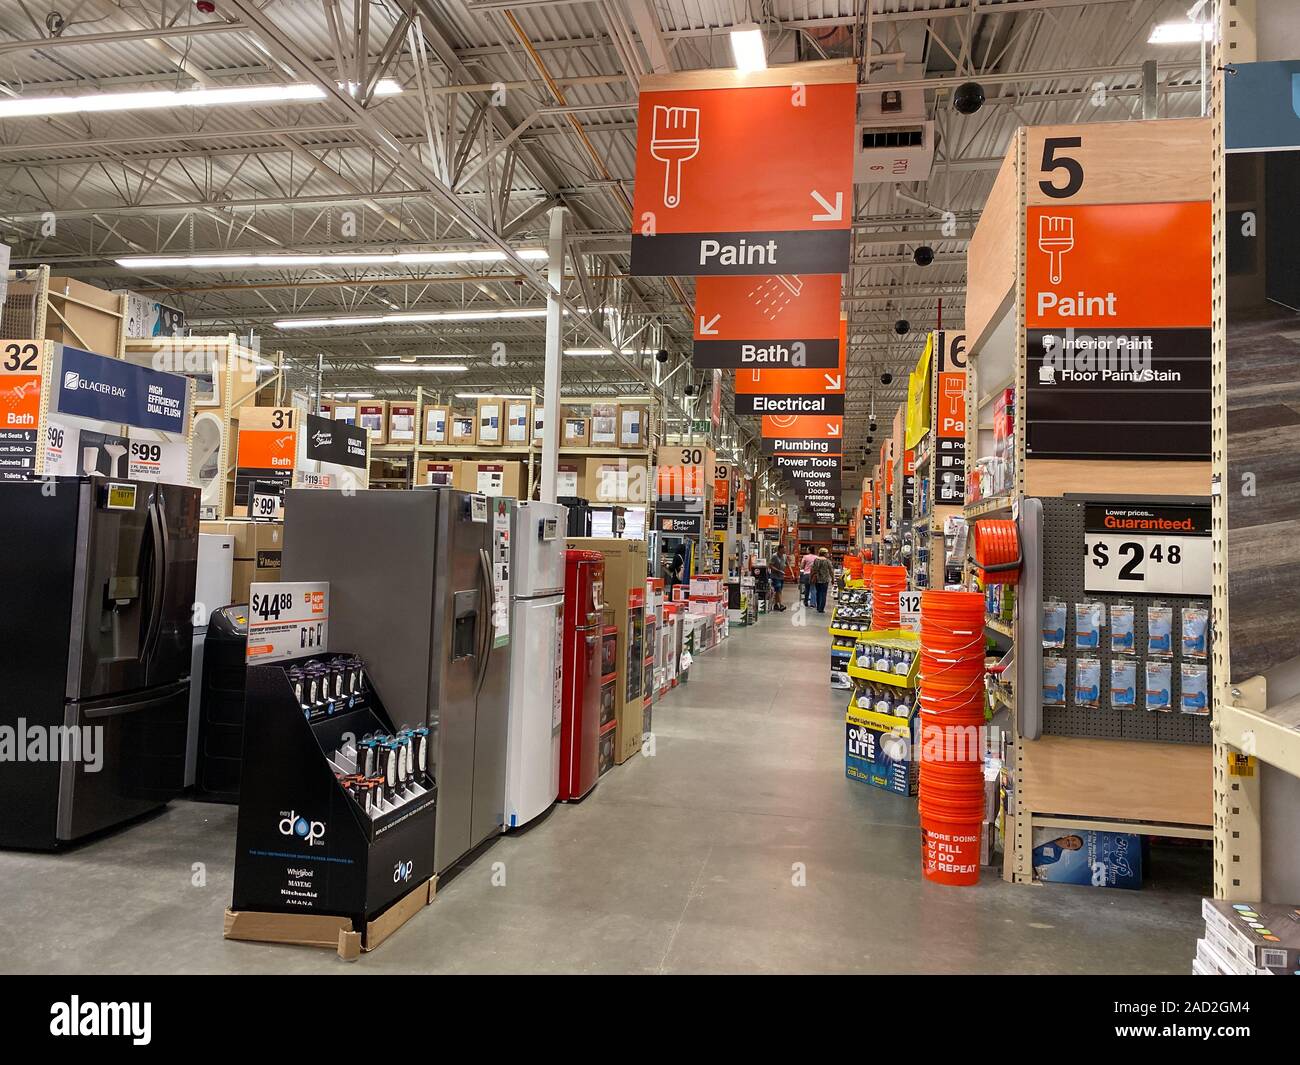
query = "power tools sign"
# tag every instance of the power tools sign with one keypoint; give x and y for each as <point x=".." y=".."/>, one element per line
<point x="745" y="173"/>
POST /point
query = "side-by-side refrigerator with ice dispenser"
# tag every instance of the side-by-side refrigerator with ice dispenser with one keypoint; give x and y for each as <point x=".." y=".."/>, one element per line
<point x="537" y="538"/>
<point x="414" y="589"/>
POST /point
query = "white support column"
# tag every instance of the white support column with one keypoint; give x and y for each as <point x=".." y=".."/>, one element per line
<point x="554" y="352"/>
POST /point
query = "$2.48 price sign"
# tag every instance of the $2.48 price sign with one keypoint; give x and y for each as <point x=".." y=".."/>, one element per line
<point x="1175" y="565"/>
<point x="288" y="620"/>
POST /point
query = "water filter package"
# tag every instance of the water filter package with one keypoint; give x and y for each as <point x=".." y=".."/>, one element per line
<point x="1123" y="683"/>
<point x="1194" y="689"/>
<point x="1053" y="681"/>
<point x="1053" y="625"/>
<point x="1121" y="628"/>
<point x="1088" y="621"/>
<point x="1195" y="629"/>
<point x="1160" y="630"/>
<point x="1159" y="686"/>
<point x="1087" y="682"/>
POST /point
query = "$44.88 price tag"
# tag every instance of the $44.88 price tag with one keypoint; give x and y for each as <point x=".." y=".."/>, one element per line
<point x="1157" y="550"/>
<point x="287" y="620"/>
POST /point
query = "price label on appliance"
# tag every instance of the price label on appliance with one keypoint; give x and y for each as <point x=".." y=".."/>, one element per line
<point x="289" y="620"/>
<point x="1154" y="550"/>
<point x="909" y="610"/>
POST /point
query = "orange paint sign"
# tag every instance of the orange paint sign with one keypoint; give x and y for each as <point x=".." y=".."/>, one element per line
<point x="745" y="173"/>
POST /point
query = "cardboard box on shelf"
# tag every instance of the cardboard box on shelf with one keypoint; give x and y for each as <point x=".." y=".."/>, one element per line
<point x="568" y="479"/>
<point x="464" y="427"/>
<point x="539" y="423"/>
<point x="576" y="427"/>
<point x="633" y="428"/>
<point x="490" y="432"/>
<point x="436" y="471"/>
<point x="1099" y="859"/>
<point x="878" y="750"/>
<point x="372" y="416"/>
<point x="604" y="425"/>
<point x="437" y="427"/>
<point x="492" y="478"/>
<point x="624" y="591"/>
<point x="518" y="421"/>
<point x="403" y="425"/>
<point x="1263" y="933"/>
<point x="259" y="547"/>
<point x="345" y="412"/>
<point x="617" y="480"/>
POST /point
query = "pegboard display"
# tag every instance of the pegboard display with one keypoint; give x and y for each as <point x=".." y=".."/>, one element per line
<point x="1063" y="578"/>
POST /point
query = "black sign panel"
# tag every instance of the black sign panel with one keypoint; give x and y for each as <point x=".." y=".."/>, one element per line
<point x="1157" y="520"/>
<point x="1128" y="394"/>
<point x="814" y="251"/>
<point x="950" y="470"/>
<point x="336" y="442"/>
<point x="825" y="403"/>
<point x="789" y="463"/>
<point x="802" y="445"/>
<point x="680" y="524"/>
<point x="17" y="454"/>
<point x="679" y="505"/>
<point x="766" y="354"/>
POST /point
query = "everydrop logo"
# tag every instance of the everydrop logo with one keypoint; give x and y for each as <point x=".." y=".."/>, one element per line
<point x="312" y="832"/>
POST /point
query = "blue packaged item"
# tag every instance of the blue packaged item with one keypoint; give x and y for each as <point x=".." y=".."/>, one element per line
<point x="1053" y="681"/>
<point x="1123" y="683"/>
<point x="1194" y="691"/>
<point x="1159" y="686"/>
<point x="1195" y="629"/>
<point x="1121" y="628"/>
<point x="1053" y="624"/>
<point x="1095" y="859"/>
<point x="1088" y="620"/>
<point x="1160" y="630"/>
<point x="1087" y="682"/>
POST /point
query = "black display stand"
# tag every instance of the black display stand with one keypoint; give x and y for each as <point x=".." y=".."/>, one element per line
<point x="308" y="859"/>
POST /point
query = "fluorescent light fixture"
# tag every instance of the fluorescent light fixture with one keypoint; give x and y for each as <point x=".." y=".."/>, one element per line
<point x="1181" y="33"/>
<point x="238" y="262"/>
<point x="747" y="47"/>
<point x="43" y="106"/>
<point x="594" y="352"/>
<point x="408" y="317"/>
<point x="420" y="367"/>
<point x="350" y="395"/>
<point x="488" y="395"/>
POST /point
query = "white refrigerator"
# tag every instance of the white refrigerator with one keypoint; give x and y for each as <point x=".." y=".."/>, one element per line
<point x="537" y="539"/>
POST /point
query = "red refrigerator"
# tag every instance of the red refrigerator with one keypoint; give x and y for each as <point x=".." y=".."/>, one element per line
<point x="584" y="581"/>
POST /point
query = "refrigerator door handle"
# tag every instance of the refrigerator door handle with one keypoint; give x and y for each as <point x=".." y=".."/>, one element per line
<point x="157" y="581"/>
<point x="489" y="624"/>
<point x="131" y="705"/>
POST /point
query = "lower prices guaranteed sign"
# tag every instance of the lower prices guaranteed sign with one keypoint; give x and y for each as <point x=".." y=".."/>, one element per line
<point x="1151" y="549"/>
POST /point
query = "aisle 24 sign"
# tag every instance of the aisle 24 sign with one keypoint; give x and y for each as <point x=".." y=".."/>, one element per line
<point x="745" y="173"/>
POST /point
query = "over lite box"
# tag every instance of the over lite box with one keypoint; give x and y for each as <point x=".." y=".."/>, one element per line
<point x="259" y="548"/>
<point x="878" y="750"/>
<point x="1099" y="859"/>
<point x="624" y="594"/>
<point x="1264" y="933"/>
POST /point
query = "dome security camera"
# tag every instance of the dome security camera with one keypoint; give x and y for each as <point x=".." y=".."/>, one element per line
<point x="902" y="327"/>
<point x="689" y="390"/>
<point x="873" y="425"/>
<point x="923" y="256"/>
<point x="968" y="98"/>
<point x="661" y="355"/>
<point x="886" y="377"/>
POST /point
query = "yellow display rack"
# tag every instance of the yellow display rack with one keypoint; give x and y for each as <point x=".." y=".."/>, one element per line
<point x="903" y="638"/>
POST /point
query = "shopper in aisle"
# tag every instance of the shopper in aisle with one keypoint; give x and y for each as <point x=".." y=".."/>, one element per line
<point x="805" y="577"/>
<point x="776" y="574"/>
<point x="820" y="578"/>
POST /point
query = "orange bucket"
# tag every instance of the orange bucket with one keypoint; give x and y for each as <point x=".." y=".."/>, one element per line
<point x="950" y="851"/>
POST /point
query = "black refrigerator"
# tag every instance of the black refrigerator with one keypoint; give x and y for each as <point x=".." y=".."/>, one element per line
<point x="99" y="583"/>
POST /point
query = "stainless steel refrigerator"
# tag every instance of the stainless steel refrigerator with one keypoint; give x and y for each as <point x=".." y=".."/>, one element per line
<point x="415" y="585"/>
<point x="99" y="583"/>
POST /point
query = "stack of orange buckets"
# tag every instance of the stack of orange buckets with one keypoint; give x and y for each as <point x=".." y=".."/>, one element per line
<point x="951" y="682"/>
<point x="886" y="583"/>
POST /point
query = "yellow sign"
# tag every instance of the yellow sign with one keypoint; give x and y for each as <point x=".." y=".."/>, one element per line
<point x="918" y="397"/>
<point x="1241" y="765"/>
<point x="120" y="497"/>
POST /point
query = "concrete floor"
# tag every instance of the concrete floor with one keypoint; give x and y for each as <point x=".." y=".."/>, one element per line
<point x="677" y="863"/>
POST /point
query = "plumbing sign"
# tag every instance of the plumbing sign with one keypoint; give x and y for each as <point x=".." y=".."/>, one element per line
<point x="745" y="173"/>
